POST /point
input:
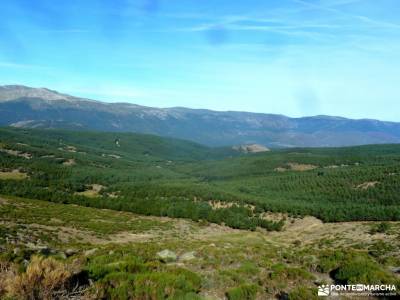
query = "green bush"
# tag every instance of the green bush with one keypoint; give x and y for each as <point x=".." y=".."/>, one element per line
<point x="103" y="265"/>
<point x="121" y="276"/>
<point x="330" y="260"/>
<point x="243" y="292"/>
<point x="362" y="269"/>
<point x="179" y="284"/>
<point x="281" y="271"/>
<point x="117" y="285"/>
<point x="249" y="268"/>
<point x="303" y="293"/>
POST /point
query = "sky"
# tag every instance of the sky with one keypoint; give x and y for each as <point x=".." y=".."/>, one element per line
<point x="291" y="57"/>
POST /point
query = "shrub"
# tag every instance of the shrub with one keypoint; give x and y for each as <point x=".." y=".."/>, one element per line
<point x="280" y="271"/>
<point x="117" y="285"/>
<point x="362" y="269"/>
<point x="297" y="273"/>
<point x="121" y="281"/>
<point x="249" y="268"/>
<point x="303" y="293"/>
<point x="243" y="292"/>
<point x="330" y="260"/>
<point x="176" y="285"/>
<point x="43" y="277"/>
<point x="7" y="272"/>
<point x="103" y="265"/>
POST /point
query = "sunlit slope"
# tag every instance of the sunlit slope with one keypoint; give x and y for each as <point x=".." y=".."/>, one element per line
<point x="118" y="249"/>
<point x="158" y="176"/>
<point x="130" y="146"/>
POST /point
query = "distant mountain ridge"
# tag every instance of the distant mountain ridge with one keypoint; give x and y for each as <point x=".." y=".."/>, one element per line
<point x="22" y="106"/>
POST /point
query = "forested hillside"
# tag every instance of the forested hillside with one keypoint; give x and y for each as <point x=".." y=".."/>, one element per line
<point x="167" y="177"/>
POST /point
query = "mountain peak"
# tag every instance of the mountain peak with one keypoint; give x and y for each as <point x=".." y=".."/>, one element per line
<point x="44" y="108"/>
<point x="13" y="92"/>
<point x="251" y="148"/>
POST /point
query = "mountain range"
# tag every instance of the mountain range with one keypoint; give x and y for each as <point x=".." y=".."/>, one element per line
<point x="22" y="106"/>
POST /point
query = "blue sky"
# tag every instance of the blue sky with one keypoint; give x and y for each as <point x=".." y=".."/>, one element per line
<point x="292" y="57"/>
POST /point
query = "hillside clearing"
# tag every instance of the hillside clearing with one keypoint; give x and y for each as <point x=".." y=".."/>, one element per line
<point x="224" y="258"/>
<point x="13" y="175"/>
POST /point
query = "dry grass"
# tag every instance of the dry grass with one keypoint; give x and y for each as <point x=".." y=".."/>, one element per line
<point x="7" y="272"/>
<point x="43" y="277"/>
<point x="111" y="155"/>
<point x="16" y="153"/>
<point x="296" y="167"/>
<point x="280" y="169"/>
<point x="367" y="185"/>
<point x="215" y="204"/>
<point x="71" y="149"/>
<point x="14" y="175"/>
<point x="69" y="162"/>
<point x="93" y="191"/>
<point x="68" y="148"/>
<point x="301" y="167"/>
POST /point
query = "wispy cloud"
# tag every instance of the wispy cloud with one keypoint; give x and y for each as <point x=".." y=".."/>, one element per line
<point x="334" y="6"/>
<point x="21" y="66"/>
<point x="280" y="21"/>
<point x="64" y="31"/>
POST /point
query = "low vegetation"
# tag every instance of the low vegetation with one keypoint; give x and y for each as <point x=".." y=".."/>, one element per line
<point x="89" y="253"/>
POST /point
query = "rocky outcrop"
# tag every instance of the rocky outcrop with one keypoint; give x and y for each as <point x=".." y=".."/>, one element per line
<point x="167" y="256"/>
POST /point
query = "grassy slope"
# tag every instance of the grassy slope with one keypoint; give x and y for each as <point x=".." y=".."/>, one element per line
<point x="225" y="259"/>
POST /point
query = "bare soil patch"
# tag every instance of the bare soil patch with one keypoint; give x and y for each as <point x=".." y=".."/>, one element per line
<point x="215" y="204"/>
<point x="128" y="237"/>
<point x="367" y="185"/>
<point x="17" y="153"/>
<point x="48" y="156"/>
<point x="296" y="167"/>
<point x="301" y="167"/>
<point x="15" y="174"/>
<point x="111" y="155"/>
<point x="310" y="230"/>
<point x="69" y="162"/>
<point x="92" y="191"/>
<point x="3" y="201"/>
<point x="68" y="148"/>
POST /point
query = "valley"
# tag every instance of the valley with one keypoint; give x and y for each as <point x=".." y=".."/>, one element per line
<point x="132" y="216"/>
<point x="199" y="150"/>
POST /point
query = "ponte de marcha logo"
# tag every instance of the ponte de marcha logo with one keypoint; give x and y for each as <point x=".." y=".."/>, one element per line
<point x="324" y="290"/>
<point x="360" y="289"/>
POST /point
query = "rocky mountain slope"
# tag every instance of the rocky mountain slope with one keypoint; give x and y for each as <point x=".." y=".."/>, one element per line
<point x="22" y="106"/>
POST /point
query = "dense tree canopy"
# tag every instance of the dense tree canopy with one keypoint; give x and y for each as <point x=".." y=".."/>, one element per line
<point x="167" y="177"/>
